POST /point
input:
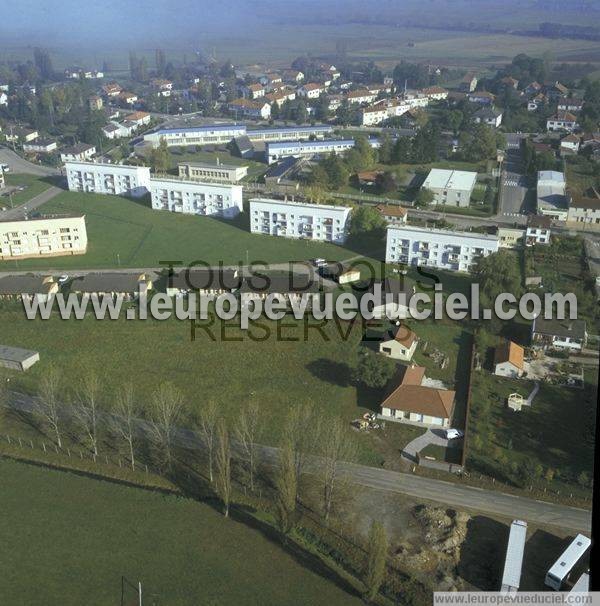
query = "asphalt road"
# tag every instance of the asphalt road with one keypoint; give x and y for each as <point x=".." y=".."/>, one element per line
<point x="19" y="165"/>
<point x="449" y="494"/>
<point x="513" y="189"/>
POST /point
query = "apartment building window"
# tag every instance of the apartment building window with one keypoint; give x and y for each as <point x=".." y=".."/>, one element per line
<point x="44" y="232"/>
<point x="63" y="230"/>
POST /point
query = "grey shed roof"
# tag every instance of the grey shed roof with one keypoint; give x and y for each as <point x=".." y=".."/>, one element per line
<point x="16" y="354"/>
<point x="29" y="285"/>
<point x="107" y="282"/>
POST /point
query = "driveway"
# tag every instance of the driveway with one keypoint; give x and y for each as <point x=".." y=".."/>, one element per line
<point x="18" y="212"/>
<point x="431" y="436"/>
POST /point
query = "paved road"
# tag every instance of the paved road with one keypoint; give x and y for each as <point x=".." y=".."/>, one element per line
<point x="513" y="189"/>
<point x="449" y="494"/>
<point x="18" y="212"/>
<point x="19" y="165"/>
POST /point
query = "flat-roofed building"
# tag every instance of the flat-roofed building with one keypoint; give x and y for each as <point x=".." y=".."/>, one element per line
<point x="51" y="236"/>
<point x="300" y="220"/>
<point x="17" y="358"/>
<point x="439" y="248"/>
<point x="276" y="151"/>
<point x="195" y="198"/>
<point x="127" y="285"/>
<point x="450" y="187"/>
<point x="289" y="133"/>
<point x="552" y="200"/>
<point x="114" y="179"/>
<point x="204" y="171"/>
<point x="214" y="134"/>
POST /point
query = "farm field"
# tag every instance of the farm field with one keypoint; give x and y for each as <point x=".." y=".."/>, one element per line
<point x="88" y="534"/>
<point x="127" y="233"/>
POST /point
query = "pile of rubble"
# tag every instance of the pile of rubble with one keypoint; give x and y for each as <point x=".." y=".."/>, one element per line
<point x="437" y="552"/>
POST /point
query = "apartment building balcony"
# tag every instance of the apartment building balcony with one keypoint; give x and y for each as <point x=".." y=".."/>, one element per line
<point x="423" y="247"/>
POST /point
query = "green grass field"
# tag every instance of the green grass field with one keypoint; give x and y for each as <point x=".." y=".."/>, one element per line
<point x="130" y="234"/>
<point x="80" y="536"/>
<point x="33" y="186"/>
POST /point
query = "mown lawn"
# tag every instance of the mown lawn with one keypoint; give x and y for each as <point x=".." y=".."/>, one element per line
<point x="71" y="540"/>
<point x="33" y="186"/>
<point x="223" y="364"/>
<point x="123" y="232"/>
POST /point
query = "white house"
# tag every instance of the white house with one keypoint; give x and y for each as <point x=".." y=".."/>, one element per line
<point x="300" y="220"/>
<point x="195" y="198"/>
<point x="450" y="187"/>
<point x="489" y="115"/>
<point x="439" y="248"/>
<point x="115" y="179"/>
<point x="113" y="130"/>
<point x="413" y="401"/>
<point x="79" y="152"/>
<point x="40" y="146"/>
<point x="436" y="93"/>
<point x="559" y="334"/>
<point x="400" y="345"/>
<point x="51" y="236"/>
<point x="3" y="98"/>
<point x="585" y="209"/>
<point x="562" y="121"/>
<point x="259" y="109"/>
<point x="569" y="144"/>
<point x="509" y="360"/>
<point x="360" y="96"/>
<point x="538" y="230"/>
<point x="253" y="91"/>
<point x="311" y="90"/>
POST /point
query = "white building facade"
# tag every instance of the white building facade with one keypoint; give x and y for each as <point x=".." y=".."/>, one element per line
<point x="451" y="187"/>
<point x="44" y="236"/>
<point x="276" y="151"/>
<point x="194" y="198"/>
<point x="439" y="248"/>
<point x="115" y="179"/>
<point x="300" y="220"/>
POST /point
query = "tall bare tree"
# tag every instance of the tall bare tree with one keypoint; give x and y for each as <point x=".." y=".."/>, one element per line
<point x="336" y="444"/>
<point x="300" y="431"/>
<point x="286" y="484"/>
<point x="124" y="419"/>
<point x="375" y="566"/>
<point x="46" y="404"/>
<point x="223" y="466"/>
<point x="208" y="429"/>
<point x="167" y="406"/>
<point x="87" y="407"/>
<point x="247" y="433"/>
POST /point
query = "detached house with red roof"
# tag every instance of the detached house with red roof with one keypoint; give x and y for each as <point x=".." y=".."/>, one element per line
<point x="413" y="401"/>
<point x="565" y="121"/>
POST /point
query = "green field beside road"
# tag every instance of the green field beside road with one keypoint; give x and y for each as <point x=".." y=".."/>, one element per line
<point x="81" y="536"/>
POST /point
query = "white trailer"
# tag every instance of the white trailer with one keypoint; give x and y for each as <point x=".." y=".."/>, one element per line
<point x="561" y="569"/>
<point x="513" y="563"/>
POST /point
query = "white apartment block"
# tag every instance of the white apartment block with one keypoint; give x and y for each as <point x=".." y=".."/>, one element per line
<point x="276" y="151"/>
<point x="203" y="171"/>
<point x="53" y="235"/>
<point x="214" y="134"/>
<point x="450" y="187"/>
<point x="115" y="179"/>
<point x="439" y="248"/>
<point x="194" y="198"/>
<point x="299" y="220"/>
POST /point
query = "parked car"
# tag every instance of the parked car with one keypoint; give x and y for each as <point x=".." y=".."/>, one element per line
<point x="5" y="168"/>
<point x="318" y="262"/>
<point x="63" y="278"/>
<point x="453" y="434"/>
